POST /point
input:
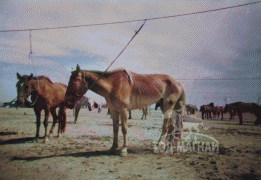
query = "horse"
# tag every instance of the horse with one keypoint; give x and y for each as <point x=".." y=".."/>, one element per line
<point x="46" y="95"/>
<point x="218" y="111"/>
<point x="257" y="112"/>
<point x="229" y="108"/>
<point x="240" y="107"/>
<point x="206" y="110"/>
<point x="125" y="90"/>
<point x="144" y="112"/>
<point x="83" y="102"/>
<point x="191" y="109"/>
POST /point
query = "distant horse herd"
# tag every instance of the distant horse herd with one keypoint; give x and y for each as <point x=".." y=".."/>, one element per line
<point x="123" y="91"/>
<point x="234" y="109"/>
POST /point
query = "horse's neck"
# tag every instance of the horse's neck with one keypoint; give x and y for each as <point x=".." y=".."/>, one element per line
<point x="99" y="85"/>
<point x="38" y="86"/>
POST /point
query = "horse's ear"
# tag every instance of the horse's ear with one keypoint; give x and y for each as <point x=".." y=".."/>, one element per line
<point x="18" y="76"/>
<point x="30" y="77"/>
<point x="77" y="69"/>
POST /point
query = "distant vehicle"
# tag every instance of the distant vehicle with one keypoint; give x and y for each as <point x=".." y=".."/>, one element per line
<point x="9" y="104"/>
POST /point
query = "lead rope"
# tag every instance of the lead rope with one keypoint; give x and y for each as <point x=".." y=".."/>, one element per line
<point x="136" y="32"/>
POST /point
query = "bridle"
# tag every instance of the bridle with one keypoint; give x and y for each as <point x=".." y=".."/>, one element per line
<point x="32" y="90"/>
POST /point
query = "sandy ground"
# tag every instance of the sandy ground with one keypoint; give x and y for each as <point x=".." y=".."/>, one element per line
<point x="81" y="153"/>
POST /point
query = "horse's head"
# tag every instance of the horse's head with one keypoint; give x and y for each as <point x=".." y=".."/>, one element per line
<point x="24" y="89"/>
<point x="77" y="87"/>
<point x="228" y="108"/>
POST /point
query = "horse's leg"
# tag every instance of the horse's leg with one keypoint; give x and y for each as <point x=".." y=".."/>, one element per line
<point x="240" y="115"/>
<point x="77" y="110"/>
<point x="47" y="114"/>
<point x="124" y="131"/>
<point x="129" y="114"/>
<point x="115" y="119"/>
<point x="166" y="125"/>
<point x="55" y="119"/>
<point x="38" y="123"/>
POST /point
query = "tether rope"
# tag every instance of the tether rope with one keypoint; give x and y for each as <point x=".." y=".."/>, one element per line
<point x="136" y="32"/>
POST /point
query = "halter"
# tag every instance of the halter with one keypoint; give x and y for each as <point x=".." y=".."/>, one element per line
<point x="31" y="93"/>
<point x="37" y="93"/>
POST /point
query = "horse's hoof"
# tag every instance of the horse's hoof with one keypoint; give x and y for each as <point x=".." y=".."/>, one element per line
<point x="46" y="140"/>
<point x="35" y="140"/>
<point x="124" y="152"/>
<point x="59" y="135"/>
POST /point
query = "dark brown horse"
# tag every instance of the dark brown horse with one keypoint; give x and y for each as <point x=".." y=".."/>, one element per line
<point x="83" y="102"/>
<point x="230" y="109"/>
<point x="45" y="95"/>
<point x="239" y="108"/>
<point x="257" y="112"/>
<point x="206" y="110"/>
<point x="124" y="90"/>
<point x="218" y="111"/>
<point x="191" y="109"/>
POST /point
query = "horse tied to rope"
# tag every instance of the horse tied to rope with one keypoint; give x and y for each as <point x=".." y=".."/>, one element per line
<point x="46" y="95"/>
<point x="125" y="90"/>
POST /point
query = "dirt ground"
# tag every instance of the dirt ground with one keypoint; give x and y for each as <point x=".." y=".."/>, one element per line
<point x="81" y="153"/>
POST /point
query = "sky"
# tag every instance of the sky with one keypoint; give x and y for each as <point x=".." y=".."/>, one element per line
<point x="217" y="54"/>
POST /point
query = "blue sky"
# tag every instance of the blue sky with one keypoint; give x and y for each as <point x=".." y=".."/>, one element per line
<point x="215" y="54"/>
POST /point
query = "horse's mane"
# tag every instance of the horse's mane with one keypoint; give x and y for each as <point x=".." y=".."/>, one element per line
<point x="111" y="73"/>
<point x="43" y="78"/>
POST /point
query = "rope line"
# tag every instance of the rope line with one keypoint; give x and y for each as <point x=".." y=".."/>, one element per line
<point x="136" y="32"/>
<point x="130" y="21"/>
<point x="30" y="58"/>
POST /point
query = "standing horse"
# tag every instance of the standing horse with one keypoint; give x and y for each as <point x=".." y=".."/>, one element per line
<point x="240" y="107"/>
<point x="144" y="113"/>
<point x="191" y="109"/>
<point x="83" y="102"/>
<point x="124" y="90"/>
<point x="206" y="110"/>
<point x="46" y="95"/>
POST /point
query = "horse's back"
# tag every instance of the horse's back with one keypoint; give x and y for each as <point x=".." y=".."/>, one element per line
<point x="55" y="93"/>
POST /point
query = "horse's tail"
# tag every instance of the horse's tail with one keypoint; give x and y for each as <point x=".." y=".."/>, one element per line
<point x="62" y="118"/>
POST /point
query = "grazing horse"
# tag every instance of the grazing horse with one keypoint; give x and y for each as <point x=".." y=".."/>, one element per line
<point x="206" y="110"/>
<point x="191" y="109"/>
<point x="83" y="102"/>
<point x="125" y="90"/>
<point x="230" y="109"/>
<point x="46" y="95"/>
<point x="239" y="108"/>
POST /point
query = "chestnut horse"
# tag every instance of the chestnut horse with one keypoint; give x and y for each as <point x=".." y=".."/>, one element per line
<point x="46" y="95"/>
<point x="125" y="90"/>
